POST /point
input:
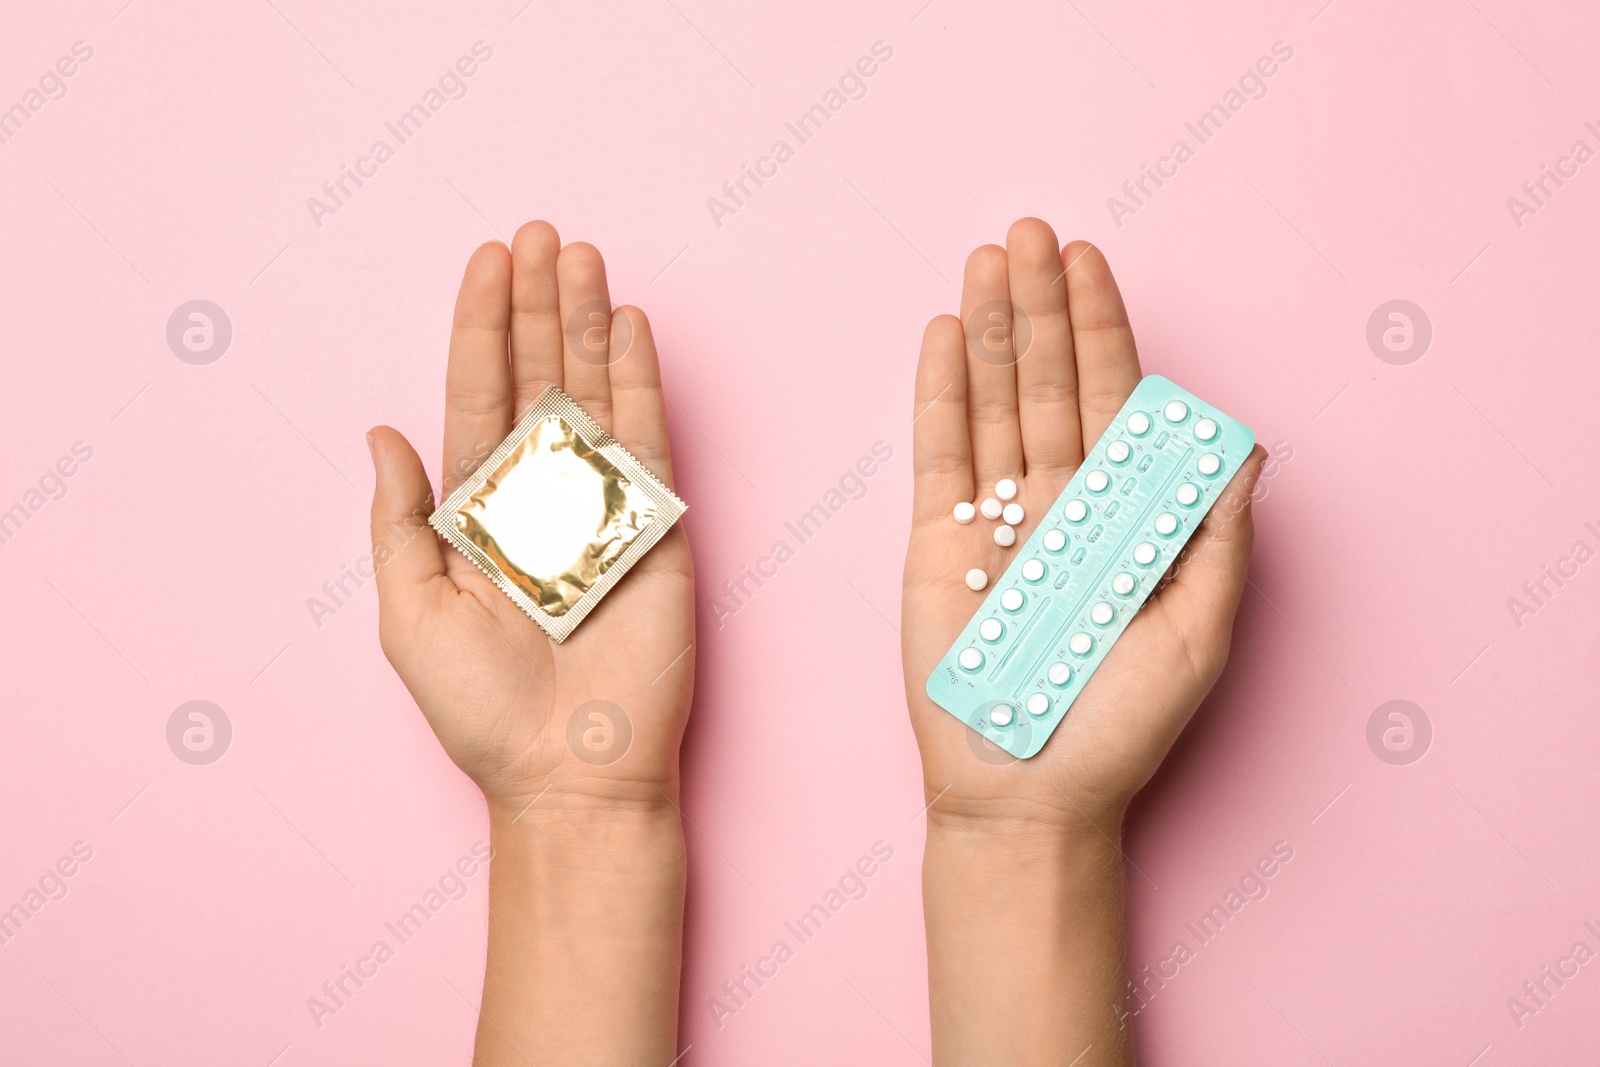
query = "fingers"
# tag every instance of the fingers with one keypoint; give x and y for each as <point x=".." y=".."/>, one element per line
<point x="586" y="320"/>
<point x="1108" y="363"/>
<point x="941" y="451"/>
<point x="991" y="366"/>
<point x="536" y="326"/>
<point x="638" y="407"/>
<point x="477" y="389"/>
<point x="1047" y="374"/>
<point x="1204" y="592"/>
<point x="405" y="551"/>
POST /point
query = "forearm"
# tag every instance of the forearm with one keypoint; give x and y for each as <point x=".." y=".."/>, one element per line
<point x="1026" y="964"/>
<point x="585" y="936"/>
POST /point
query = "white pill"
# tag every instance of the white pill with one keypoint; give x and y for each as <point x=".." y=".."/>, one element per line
<point x="1005" y="536"/>
<point x="1005" y="489"/>
<point x="1038" y="704"/>
<point x="1205" y="429"/>
<point x="1210" y="464"/>
<point x="970" y="659"/>
<point x="1144" y="553"/>
<point x="1012" y="514"/>
<point x="1176" y="411"/>
<point x="1081" y="644"/>
<point x="1012" y="600"/>
<point x="1033" y="569"/>
<point x="1001" y="715"/>
<point x="1102" y="614"/>
<point x="1166" y="524"/>
<point x="1188" y="494"/>
<point x="965" y="512"/>
<point x="1054" y="540"/>
<point x="990" y="508"/>
<point x="1138" y="424"/>
<point x="991" y="630"/>
<point x="1060" y="674"/>
<point x="1098" y="481"/>
<point x="1124" y="584"/>
<point x="1076" y="511"/>
<point x="1118" y="451"/>
<point x="977" y="579"/>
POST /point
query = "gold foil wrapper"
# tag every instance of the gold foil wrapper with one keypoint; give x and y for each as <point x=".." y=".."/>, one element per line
<point x="557" y="514"/>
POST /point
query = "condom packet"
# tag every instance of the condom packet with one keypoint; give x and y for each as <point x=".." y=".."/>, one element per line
<point x="557" y="514"/>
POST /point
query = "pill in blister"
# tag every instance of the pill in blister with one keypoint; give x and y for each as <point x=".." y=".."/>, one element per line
<point x="1005" y="489"/>
<point x="991" y="629"/>
<point x="965" y="512"/>
<point x="1005" y="536"/>
<point x="1138" y="424"/>
<point x="1205" y="429"/>
<point x="1060" y="674"/>
<point x="1038" y="704"/>
<point x="1054" y="541"/>
<point x="1102" y="614"/>
<point x="1001" y="715"/>
<point x="1033" y="570"/>
<point x="1097" y="481"/>
<point x="1209" y="464"/>
<point x="1011" y="600"/>
<point x="1144" y="553"/>
<point x="1124" y="584"/>
<point x="1188" y="494"/>
<point x="1176" y="411"/>
<point x="1076" y="511"/>
<point x="977" y="579"/>
<point x="971" y="659"/>
<point x="1013" y="514"/>
<point x="1118" y="452"/>
<point x="990" y="508"/>
<point x="1081" y="644"/>
<point x="1166" y="524"/>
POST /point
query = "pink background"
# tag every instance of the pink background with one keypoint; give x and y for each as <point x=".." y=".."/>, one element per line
<point x="220" y="498"/>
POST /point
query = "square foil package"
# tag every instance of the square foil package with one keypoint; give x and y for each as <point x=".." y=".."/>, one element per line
<point x="557" y="514"/>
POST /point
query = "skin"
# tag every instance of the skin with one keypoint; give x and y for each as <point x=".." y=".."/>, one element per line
<point x="1041" y="838"/>
<point x="587" y="884"/>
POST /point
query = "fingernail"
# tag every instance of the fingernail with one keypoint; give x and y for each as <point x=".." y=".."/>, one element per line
<point x="371" y="451"/>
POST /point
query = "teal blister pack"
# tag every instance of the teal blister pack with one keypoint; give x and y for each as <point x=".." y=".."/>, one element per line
<point x="1091" y="564"/>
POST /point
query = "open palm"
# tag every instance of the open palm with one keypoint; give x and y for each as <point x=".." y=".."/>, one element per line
<point x="500" y="695"/>
<point x="986" y="411"/>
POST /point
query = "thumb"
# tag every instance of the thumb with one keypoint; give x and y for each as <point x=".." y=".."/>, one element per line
<point x="405" y="550"/>
<point x="1210" y="574"/>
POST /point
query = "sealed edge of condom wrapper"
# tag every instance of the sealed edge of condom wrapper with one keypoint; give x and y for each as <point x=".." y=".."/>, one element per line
<point x="557" y="514"/>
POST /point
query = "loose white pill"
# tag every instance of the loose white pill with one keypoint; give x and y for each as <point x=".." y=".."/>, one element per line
<point x="1205" y="429"/>
<point x="1176" y="411"/>
<point x="1102" y="614"/>
<point x="1005" y="489"/>
<point x="991" y="630"/>
<point x="1060" y="674"/>
<point x="1138" y="424"/>
<point x="1012" y="600"/>
<point x="1005" y="536"/>
<point x="1210" y="464"/>
<point x="1097" y="481"/>
<point x="1124" y="584"/>
<point x="1081" y="644"/>
<point x="1012" y="514"/>
<point x="1166" y="524"/>
<point x="1001" y="715"/>
<point x="965" y="512"/>
<point x="1054" y="541"/>
<point x="1038" y="704"/>
<point x="971" y="659"/>
<point x="1118" y="451"/>
<point x="1144" y="553"/>
<point x="1188" y="494"/>
<point x="977" y="579"/>
<point x="990" y="508"/>
<point x="1033" y="569"/>
<point x="1076" y="511"/>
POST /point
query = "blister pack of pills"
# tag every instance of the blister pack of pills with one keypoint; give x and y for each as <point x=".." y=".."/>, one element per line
<point x="1095" y="558"/>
